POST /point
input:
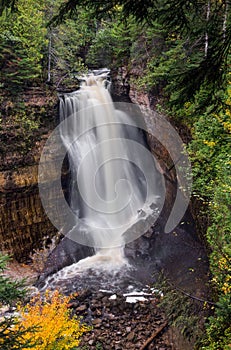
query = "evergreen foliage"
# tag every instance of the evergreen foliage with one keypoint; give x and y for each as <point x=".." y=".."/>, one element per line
<point x="8" y="4"/>
<point x="112" y="43"/>
<point x="70" y="43"/>
<point x="195" y="22"/>
<point x="10" y="293"/>
<point x="23" y="38"/>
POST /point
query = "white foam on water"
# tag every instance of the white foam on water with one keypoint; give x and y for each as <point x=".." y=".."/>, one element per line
<point x="133" y="300"/>
<point x="105" y="261"/>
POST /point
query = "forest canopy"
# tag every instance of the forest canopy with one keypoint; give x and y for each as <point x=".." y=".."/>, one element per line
<point x="204" y="26"/>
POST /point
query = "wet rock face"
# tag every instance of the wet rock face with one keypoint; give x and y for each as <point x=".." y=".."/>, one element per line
<point x="23" y="223"/>
<point x="66" y="253"/>
<point x="178" y="254"/>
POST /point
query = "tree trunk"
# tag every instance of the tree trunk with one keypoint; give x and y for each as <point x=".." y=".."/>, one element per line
<point x="206" y="34"/>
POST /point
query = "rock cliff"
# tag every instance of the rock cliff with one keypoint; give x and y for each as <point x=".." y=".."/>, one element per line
<point x="25" y="126"/>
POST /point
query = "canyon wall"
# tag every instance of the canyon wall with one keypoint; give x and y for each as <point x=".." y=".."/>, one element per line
<point x="23" y="223"/>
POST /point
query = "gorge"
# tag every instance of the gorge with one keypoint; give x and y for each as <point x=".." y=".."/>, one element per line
<point x="141" y="248"/>
<point x="137" y="260"/>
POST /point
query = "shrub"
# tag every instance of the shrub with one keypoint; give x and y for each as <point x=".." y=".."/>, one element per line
<point x="51" y="315"/>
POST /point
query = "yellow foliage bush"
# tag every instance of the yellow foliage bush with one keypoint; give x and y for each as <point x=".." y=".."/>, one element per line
<point x="55" y="328"/>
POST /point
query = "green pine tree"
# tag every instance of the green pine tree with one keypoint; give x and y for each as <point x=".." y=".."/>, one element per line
<point x="10" y="293"/>
<point x="23" y="42"/>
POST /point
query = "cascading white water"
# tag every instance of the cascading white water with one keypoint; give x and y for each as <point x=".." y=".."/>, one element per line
<point x="108" y="191"/>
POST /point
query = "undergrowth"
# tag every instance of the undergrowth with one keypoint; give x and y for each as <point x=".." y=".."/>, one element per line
<point x="56" y="328"/>
<point x="184" y="311"/>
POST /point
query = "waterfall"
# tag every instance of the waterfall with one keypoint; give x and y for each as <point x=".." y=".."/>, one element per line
<point x="110" y="167"/>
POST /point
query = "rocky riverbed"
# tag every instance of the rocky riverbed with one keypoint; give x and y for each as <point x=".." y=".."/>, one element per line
<point x="122" y="321"/>
<point x="129" y="318"/>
